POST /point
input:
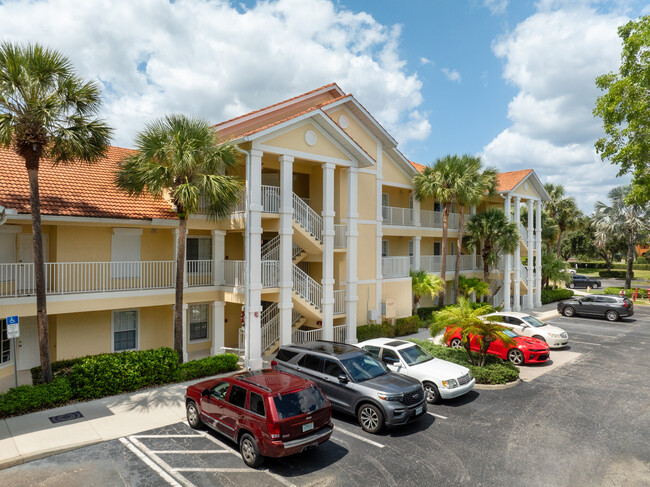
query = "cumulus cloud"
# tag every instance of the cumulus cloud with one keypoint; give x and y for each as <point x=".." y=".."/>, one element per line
<point x="219" y="60"/>
<point x="451" y="74"/>
<point x="496" y="6"/>
<point x="424" y="61"/>
<point x="553" y="58"/>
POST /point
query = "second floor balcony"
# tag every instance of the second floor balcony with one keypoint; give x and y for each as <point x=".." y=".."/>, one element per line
<point x="405" y="217"/>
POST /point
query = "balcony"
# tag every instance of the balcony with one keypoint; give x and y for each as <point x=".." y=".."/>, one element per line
<point x="395" y="267"/>
<point x="405" y="217"/>
<point x="432" y="263"/>
<point x="17" y="280"/>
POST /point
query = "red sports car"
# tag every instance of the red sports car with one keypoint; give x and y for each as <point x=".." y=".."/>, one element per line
<point x="526" y="351"/>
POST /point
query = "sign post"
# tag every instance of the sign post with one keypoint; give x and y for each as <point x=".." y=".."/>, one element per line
<point x="13" y="331"/>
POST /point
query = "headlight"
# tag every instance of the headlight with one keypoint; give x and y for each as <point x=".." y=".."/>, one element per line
<point x="450" y="384"/>
<point x="554" y="335"/>
<point x="390" y="397"/>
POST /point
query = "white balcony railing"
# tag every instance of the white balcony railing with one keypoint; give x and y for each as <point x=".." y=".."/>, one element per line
<point x="307" y="217"/>
<point x="340" y="333"/>
<point x="339" y="236"/>
<point x="234" y="273"/>
<point x="395" y="266"/>
<point x="271" y="199"/>
<point x="431" y="219"/>
<point x="309" y="289"/>
<point x="198" y="272"/>
<point x="339" y="302"/>
<point x="304" y="336"/>
<point x="270" y="273"/>
<point x="397" y="216"/>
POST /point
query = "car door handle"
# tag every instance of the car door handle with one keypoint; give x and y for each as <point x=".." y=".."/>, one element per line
<point x="326" y="379"/>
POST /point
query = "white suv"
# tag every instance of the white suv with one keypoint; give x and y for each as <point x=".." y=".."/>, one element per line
<point x="530" y="326"/>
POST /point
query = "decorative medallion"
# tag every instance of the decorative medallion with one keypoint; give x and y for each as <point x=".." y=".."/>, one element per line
<point x="310" y="137"/>
<point x="343" y="122"/>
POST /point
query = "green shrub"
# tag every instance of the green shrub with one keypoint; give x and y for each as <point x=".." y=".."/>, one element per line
<point x="552" y="295"/>
<point x="113" y="373"/>
<point x="496" y="373"/>
<point x="60" y="368"/>
<point x="407" y="326"/>
<point x="641" y="260"/>
<point x="629" y="293"/>
<point x="25" y="399"/>
<point x="205" y="367"/>
<point x="425" y="313"/>
<point x="369" y="331"/>
<point x="617" y="274"/>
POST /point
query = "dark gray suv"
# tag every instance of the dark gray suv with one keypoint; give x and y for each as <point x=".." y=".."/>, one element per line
<point x="355" y="382"/>
<point x="610" y="307"/>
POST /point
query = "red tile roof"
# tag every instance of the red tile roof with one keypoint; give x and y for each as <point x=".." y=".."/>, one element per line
<point x="81" y="190"/>
<point x="418" y="167"/>
<point x="507" y="181"/>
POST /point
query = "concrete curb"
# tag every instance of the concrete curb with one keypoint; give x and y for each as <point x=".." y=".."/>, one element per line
<point x="496" y="387"/>
<point x="548" y="315"/>
<point x="21" y="459"/>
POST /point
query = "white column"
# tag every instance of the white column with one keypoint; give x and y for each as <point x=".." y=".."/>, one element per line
<point x="351" y="256"/>
<point x="538" y="253"/>
<point x="218" y="326"/>
<point x="506" y="264"/>
<point x="184" y="321"/>
<point x="328" y="251"/>
<point x="176" y="230"/>
<point x="530" y="302"/>
<point x="416" y="212"/>
<point x="286" y="237"/>
<point x="517" y="259"/>
<point x="254" y="277"/>
<point x="218" y="254"/>
<point x="416" y="253"/>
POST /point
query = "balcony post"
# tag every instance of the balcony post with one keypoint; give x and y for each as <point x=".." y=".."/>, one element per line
<point x="379" y="234"/>
<point x="506" y="270"/>
<point x="416" y="212"/>
<point x="327" y="306"/>
<point x="176" y="230"/>
<point x="517" y="259"/>
<point x="351" y="297"/>
<point x="530" y="302"/>
<point x="254" y="264"/>
<point x="286" y="238"/>
<point x="538" y="252"/>
<point x="218" y="254"/>
<point x="416" y="253"/>
<point x="218" y="327"/>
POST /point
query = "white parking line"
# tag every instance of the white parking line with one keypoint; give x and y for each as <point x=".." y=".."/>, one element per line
<point x="165" y="436"/>
<point x="162" y="464"/>
<point x="588" y="343"/>
<point x="595" y="335"/>
<point x="165" y="476"/>
<point x="186" y="452"/>
<point x="220" y="470"/>
<point x="358" y="437"/>
<point x="437" y="415"/>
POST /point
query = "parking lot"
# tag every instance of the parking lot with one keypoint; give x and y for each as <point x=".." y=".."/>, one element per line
<point x="582" y="420"/>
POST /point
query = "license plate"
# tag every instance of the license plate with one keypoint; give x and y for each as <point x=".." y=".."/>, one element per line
<point x="307" y="427"/>
<point x="418" y="410"/>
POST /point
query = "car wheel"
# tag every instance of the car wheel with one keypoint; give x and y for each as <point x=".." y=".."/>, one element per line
<point x="516" y="356"/>
<point x="571" y="286"/>
<point x="193" y="418"/>
<point x="249" y="451"/>
<point x="568" y="311"/>
<point x="456" y="343"/>
<point x="594" y="285"/>
<point x="611" y="315"/>
<point x="432" y="393"/>
<point x="540" y="338"/>
<point x="370" y="418"/>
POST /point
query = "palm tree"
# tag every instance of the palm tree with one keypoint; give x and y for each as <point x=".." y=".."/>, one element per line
<point x="472" y="188"/>
<point x="425" y="284"/>
<point x="184" y="157"/>
<point x="623" y="219"/>
<point x="492" y="233"/>
<point x="47" y="113"/>
<point x="469" y="285"/>
<point x="441" y="182"/>
<point x="486" y="333"/>
<point x="563" y="210"/>
<point x="553" y="269"/>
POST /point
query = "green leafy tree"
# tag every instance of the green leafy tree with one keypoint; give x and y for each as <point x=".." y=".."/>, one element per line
<point x="624" y="109"/>
<point x="182" y="156"/>
<point x="425" y="284"/>
<point x="563" y="210"/>
<point x="492" y="234"/>
<point x="47" y="113"/>
<point x="469" y="285"/>
<point x="623" y="220"/>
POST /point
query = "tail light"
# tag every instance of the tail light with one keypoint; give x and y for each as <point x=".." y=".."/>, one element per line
<point x="273" y="363"/>
<point x="625" y="305"/>
<point x="274" y="430"/>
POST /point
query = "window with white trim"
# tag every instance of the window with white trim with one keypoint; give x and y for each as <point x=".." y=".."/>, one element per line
<point x="125" y="330"/>
<point x="199" y="322"/>
<point x="5" y="344"/>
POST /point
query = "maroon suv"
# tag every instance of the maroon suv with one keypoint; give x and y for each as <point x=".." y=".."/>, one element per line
<point x="268" y="413"/>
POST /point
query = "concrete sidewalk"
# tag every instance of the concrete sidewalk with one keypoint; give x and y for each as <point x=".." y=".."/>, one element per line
<point x="31" y="436"/>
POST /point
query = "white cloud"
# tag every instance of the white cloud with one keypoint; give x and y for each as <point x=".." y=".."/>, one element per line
<point x="219" y="60"/>
<point x="451" y="74"/>
<point x="424" y="61"/>
<point x="496" y="6"/>
<point x="553" y="58"/>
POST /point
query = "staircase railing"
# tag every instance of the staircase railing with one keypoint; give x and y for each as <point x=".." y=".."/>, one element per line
<point x="270" y="273"/>
<point x="307" y="217"/>
<point x="307" y="287"/>
<point x="271" y="249"/>
<point x="523" y="233"/>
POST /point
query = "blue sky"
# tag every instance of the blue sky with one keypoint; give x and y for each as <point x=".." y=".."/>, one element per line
<point x="509" y="80"/>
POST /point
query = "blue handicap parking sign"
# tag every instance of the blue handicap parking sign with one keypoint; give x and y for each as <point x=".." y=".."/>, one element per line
<point x="12" y="320"/>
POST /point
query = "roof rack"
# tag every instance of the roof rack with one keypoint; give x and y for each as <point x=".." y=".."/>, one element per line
<point x="245" y="378"/>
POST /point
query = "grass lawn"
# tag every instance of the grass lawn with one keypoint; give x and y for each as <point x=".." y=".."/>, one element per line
<point x="641" y="277"/>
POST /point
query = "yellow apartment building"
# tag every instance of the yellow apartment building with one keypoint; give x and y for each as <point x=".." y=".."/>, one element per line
<point x="322" y="242"/>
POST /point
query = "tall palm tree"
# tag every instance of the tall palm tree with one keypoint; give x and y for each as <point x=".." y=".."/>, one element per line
<point x="564" y="211"/>
<point x="623" y="219"/>
<point x="47" y="113"/>
<point x="184" y="157"/>
<point x="441" y="182"/>
<point x="492" y="233"/>
<point x="472" y="188"/>
<point x="425" y="284"/>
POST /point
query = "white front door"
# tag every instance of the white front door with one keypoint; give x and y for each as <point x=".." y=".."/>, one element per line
<point x="28" y="353"/>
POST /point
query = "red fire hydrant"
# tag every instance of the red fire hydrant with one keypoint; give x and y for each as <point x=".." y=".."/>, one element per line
<point x="636" y="293"/>
<point x="621" y="293"/>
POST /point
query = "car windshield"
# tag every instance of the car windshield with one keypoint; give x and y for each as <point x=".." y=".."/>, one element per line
<point x="415" y="355"/>
<point x="510" y="333"/>
<point x="532" y="321"/>
<point x="364" y="367"/>
<point x="300" y="402"/>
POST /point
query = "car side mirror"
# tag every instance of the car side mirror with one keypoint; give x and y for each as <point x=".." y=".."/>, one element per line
<point x="205" y="392"/>
<point x="343" y="379"/>
<point x="390" y="360"/>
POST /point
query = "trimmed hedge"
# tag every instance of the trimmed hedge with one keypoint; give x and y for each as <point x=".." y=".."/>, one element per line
<point x="552" y="295"/>
<point x="107" y="374"/>
<point x="620" y="266"/>
<point x="407" y="326"/>
<point x="616" y="274"/>
<point x="60" y="368"/>
<point x="629" y="293"/>
<point x="402" y="326"/>
<point x="425" y="313"/>
<point x="495" y="371"/>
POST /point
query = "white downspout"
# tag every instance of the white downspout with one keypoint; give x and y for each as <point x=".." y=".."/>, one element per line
<point x="247" y="337"/>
